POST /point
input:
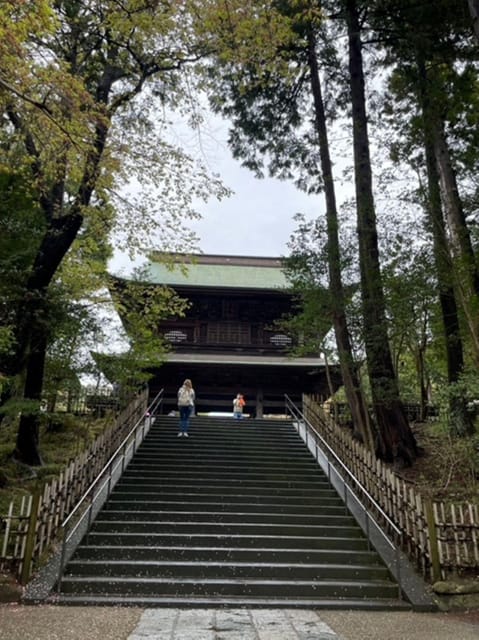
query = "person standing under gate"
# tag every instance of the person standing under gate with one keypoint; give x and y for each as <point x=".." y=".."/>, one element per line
<point x="186" y="402"/>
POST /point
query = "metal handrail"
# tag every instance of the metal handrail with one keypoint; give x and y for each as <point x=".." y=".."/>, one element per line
<point x="290" y="404"/>
<point x="118" y="457"/>
<point x="326" y="449"/>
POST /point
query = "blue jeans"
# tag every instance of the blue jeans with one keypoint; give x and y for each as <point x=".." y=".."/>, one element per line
<point x="184" y="418"/>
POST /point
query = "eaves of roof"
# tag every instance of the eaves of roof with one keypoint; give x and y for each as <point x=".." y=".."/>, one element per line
<point x="247" y="359"/>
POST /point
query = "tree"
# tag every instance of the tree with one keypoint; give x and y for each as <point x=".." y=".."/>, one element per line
<point x="351" y="382"/>
<point x="460" y="418"/>
<point x="396" y="440"/>
<point x="411" y="300"/>
<point x="423" y="49"/>
<point x="474" y="10"/>
<point x="278" y="113"/>
<point x="269" y="96"/>
<point x="308" y="269"/>
<point x="21" y="227"/>
<point x="82" y="67"/>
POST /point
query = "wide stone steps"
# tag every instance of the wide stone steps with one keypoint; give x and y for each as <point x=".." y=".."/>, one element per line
<point x="225" y="483"/>
<point x="211" y="554"/>
<point x="237" y="514"/>
<point x="212" y="587"/>
<point x="223" y="528"/>
<point x="233" y="569"/>
<point x="173" y="503"/>
<point x="148" y="517"/>
<point x="275" y="541"/>
<point x="134" y="498"/>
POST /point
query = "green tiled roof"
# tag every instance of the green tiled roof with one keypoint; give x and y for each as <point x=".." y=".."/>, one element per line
<point x="219" y="275"/>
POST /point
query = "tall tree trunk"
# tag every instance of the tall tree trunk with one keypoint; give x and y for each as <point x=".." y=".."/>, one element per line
<point x="474" y="11"/>
<point x="33" y="330"/>
<point x="361" y="423"/>
<point x="28" y="436"/>
<point x="61" y="232"/>
<point x="460" y="419"/>
<point x="464" y="260"/>
<point x="396" y="440"/>
<point x="421" y="377"/>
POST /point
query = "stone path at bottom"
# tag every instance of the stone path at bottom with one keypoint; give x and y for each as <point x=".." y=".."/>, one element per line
<point x="231" y="624"/>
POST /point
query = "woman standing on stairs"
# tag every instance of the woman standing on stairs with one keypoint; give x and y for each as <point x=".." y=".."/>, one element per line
<point x="186" y="402"/>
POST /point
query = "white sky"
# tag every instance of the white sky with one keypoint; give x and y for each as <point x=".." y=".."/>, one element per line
<point x="257" y="219"/>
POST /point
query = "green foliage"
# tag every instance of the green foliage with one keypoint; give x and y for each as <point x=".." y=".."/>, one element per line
<point x="75" y="129"/>
<point x="60" y="446"/>
<point x="21" y="227"/>
<point x="16" y="405"/>
<point x="6" y="341"/>
<point x="259" y="80"/>
<point x="307" y="269"/>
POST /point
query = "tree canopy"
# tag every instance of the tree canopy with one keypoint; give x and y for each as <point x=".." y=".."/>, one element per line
<point x="74" y="127"/>
<point x="86" y="91"/>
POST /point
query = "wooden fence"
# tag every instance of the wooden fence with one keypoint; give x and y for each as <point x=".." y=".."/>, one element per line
<point x="31" y="525"/>
<point x="441" y="537"/>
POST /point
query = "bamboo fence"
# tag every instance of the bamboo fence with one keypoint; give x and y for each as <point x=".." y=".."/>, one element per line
<point x="442" y="538"/>
<point x="31" y="525"/>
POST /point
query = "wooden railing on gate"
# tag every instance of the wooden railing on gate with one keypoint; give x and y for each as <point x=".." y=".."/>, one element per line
<point x="30" y="527"/>
<point x="441" y="537"/>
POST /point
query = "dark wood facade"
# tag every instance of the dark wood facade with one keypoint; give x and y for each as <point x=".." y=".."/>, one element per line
<point x="228" y="343"/>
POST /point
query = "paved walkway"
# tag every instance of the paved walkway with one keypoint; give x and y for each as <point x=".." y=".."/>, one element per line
<point x="116" y="623"/>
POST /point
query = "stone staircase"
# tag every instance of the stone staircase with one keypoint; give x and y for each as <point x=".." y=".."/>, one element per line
<point x="237" y="514"/>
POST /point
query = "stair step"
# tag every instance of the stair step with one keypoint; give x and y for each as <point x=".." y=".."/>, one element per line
<point x="224" y="528"/>
<point x="231" y="476"/>
<point x="198" y="602"/>
<point x="234" y="483"/>
<point x="238" y="465"/>
<point x="201" y="503"/>
<point x="235" y="586"/>
<point x="239" y="514"/>
<point x="202" y="570"/>
<point x="202" y="539"/>
<point x="234" y="554"/>
<point x="315" y="500"/>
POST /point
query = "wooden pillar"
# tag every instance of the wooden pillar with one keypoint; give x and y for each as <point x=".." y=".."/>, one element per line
<point x="259" y="403"/>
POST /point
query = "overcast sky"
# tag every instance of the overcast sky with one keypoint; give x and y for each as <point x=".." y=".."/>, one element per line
<point x="257" y="219"/>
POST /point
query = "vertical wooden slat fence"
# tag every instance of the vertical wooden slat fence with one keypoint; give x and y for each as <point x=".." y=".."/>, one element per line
<point x="31" y="526"/>
<point x="441" y="538"/>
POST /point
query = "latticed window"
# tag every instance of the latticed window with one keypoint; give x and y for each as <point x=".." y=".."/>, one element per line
<point x="228" y="333"/>
<point x="175" y="336"/>
<point x="280" y="340"/>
